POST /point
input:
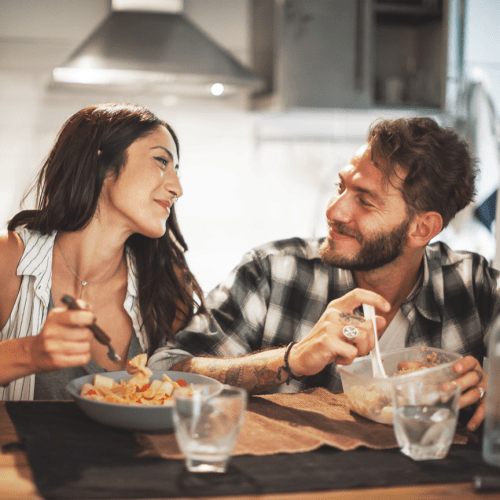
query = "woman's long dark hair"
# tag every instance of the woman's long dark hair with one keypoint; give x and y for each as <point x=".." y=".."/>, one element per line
<point x="91" y="146"/>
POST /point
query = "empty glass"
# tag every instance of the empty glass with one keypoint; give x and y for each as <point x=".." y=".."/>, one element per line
<point x="207" y="423"/>
<point x="425" y="417"/>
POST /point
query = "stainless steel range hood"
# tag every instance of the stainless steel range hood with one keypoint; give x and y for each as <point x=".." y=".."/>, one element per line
<point x="155" y="51"/>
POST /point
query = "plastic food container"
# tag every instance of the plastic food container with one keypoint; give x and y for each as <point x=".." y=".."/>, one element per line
<point x="372" y="398"/>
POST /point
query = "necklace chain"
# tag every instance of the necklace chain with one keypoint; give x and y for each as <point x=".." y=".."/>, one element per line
<point x="82" y="281"/>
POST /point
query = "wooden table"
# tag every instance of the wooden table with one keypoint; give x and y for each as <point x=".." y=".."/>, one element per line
<point x="16" y="481"/>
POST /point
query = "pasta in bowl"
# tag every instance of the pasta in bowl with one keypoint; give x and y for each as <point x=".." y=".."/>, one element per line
<point x="141" y="400"/>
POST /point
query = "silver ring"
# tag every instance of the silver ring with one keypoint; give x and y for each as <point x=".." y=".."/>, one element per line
<point x="175" y="199"/>
<point x="482" y="392"/>
<point x="350" y="331"/>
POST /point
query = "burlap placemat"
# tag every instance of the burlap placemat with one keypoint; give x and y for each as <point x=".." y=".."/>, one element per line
<point x="294" y="423"/>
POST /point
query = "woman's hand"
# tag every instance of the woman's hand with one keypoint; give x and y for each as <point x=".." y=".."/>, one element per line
<point x="63" y="342"/>
<point x="326" y="343"/>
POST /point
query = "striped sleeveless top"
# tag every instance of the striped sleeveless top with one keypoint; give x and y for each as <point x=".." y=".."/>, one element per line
<point x="32" y="303"/>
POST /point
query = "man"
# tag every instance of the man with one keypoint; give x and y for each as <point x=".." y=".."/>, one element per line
<point x="277" y="323"/>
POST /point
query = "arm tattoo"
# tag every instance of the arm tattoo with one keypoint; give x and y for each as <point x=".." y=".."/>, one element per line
<point x="253" y="373"/>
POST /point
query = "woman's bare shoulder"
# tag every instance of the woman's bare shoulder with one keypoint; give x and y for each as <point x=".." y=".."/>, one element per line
<point x="11" y="250"/>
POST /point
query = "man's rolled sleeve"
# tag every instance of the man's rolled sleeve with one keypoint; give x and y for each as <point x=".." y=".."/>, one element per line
<point x="166" y="357"/>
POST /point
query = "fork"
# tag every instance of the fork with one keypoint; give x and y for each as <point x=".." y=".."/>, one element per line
<point x="98" y="333"/>
<point x="378" y="368"/>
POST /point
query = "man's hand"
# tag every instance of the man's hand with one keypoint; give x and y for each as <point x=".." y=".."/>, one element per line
<point x="473" y="379"/>
<point x="326" y="342"/>
<point x="260" y="371"/>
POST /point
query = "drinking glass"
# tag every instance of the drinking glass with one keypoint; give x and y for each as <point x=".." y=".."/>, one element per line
<point x="425" y="417"/>
<point x="207" y="423"/>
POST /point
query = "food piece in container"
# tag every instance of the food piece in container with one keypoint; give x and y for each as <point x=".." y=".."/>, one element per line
<point x="386" y="414"/>
<point x="372" y="397"/>
<point x="372" y="400"/>
<point x="405" y="367"/>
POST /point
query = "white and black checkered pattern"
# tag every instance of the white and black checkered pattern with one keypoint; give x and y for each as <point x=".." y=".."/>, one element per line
<point x="280" y="290"/>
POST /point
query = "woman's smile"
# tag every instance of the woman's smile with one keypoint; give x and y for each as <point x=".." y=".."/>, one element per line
<point x="166" y="204"/>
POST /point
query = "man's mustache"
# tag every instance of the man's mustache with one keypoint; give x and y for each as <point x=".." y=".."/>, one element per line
<point x="341" y="228"/>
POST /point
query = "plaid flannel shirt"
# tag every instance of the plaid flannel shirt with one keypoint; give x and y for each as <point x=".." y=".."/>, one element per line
<point x="280" y="290"/>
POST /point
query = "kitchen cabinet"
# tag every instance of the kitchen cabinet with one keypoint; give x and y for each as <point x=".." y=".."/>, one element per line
<point x="410" y="56"/>
<point x="350" y="53"/>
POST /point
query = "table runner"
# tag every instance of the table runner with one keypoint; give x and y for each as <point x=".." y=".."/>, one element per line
<point x="73" y="457"/>
<point x="293" y="423"/>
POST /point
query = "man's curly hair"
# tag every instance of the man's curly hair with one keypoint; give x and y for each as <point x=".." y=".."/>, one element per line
<point x="440" y="171"/>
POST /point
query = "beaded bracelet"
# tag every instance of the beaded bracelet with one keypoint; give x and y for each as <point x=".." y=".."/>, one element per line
<point x="286" y="366"/>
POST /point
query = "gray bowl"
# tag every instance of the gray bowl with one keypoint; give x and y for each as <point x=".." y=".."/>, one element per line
<point x="154" y="418"/>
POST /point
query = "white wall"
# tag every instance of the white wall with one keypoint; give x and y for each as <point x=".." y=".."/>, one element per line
<point x="482" y="43"/>
<point x="243" y="186"/>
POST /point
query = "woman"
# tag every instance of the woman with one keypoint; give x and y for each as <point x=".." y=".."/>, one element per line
<point x="104" y="231"/>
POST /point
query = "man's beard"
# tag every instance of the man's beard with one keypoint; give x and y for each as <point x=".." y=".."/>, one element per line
<point x="374" y="253"/>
